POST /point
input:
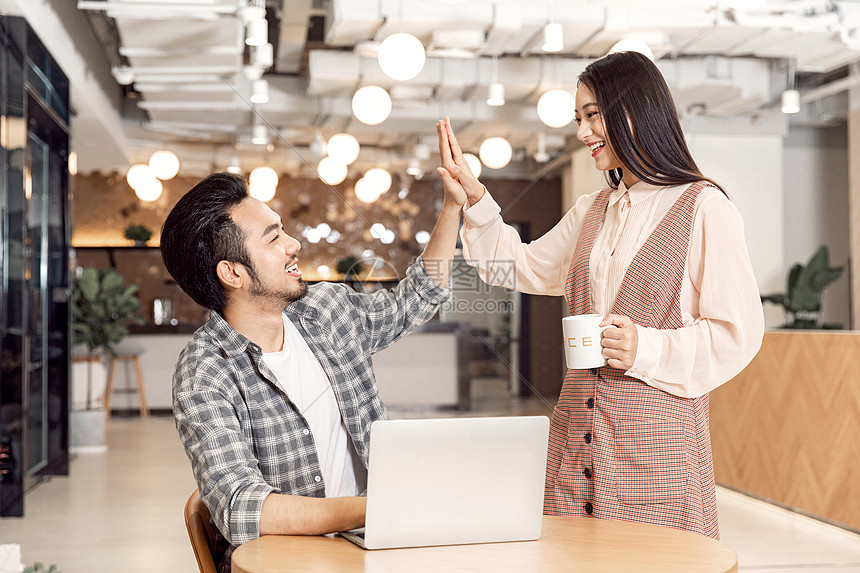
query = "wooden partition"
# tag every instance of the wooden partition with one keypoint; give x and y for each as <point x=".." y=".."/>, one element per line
<point x="787" y="428"/>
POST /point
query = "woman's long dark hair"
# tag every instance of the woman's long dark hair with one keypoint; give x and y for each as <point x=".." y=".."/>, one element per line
<point x="628" y="86"/>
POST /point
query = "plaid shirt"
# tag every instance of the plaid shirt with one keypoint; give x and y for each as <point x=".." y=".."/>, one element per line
<point x="243" y="435"/>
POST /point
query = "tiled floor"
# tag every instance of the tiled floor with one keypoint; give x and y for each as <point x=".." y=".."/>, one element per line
<point x="122" y="510"/>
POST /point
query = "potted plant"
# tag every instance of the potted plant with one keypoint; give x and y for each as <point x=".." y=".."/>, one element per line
<point x="138" y="233"/>
<point x="350" y="267"/>
<point x="804" y="287"/>
<point x="102" y="308"/>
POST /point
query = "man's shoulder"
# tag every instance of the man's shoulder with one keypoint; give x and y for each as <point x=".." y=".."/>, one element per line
<point x="202" y="357"/>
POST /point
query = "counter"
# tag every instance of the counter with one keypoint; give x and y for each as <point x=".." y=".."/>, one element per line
<point x="787" y="428"/>
<point x="428" y="368"/>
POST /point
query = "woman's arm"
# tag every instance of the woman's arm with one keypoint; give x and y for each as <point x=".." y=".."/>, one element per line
<point x="496" y="249"/>
<point x="728" y="324"/>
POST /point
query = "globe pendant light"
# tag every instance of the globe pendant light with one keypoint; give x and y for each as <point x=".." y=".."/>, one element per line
<point x="401" y="56"/>
<point x="149" y="190"/>
<point x="495" y="152"/>
<point x="331" y="170"/>
<point x="474" y="163"/>
<point x="632" y="45"/>
<point x="371" y="105"/>
<point x="379" y="179"/>
<point x="343" y="147"/>
<point x="262" y="183"/>
<point x="164" y="164"/>
<point x="556" y="108"/>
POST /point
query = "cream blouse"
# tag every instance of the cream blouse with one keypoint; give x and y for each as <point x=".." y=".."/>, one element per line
<point x="720" y="303"/>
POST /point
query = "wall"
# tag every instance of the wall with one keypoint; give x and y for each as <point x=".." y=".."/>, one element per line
<point x="749" y="167"/>
<point x="816" y="207"/>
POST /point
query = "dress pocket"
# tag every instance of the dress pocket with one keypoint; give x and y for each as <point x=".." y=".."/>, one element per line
<point x="558" y="429"/>
<point x="652" y="462"/>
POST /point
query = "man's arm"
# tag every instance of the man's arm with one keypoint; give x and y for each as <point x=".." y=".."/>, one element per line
<point x="297" y="515"/>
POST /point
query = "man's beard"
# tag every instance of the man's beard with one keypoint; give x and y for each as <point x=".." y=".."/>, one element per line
<point x="283" y="297"/>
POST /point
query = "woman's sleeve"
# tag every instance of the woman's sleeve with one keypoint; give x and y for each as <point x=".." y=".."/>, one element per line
<point x="729" y="325"/>
<point x="501" y="258"/>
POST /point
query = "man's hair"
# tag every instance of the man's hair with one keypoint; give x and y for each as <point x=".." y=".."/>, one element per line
<point x="631" y="90"/>
<point x="199" y="232"/>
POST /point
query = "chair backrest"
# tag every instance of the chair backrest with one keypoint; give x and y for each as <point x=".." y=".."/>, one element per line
<point x="201" y="533"/>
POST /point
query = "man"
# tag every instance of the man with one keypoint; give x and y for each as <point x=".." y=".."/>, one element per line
<point x="274" y="396"/>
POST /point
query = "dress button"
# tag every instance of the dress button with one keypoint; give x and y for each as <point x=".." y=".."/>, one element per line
<point x="589" y="508"/>
<point x="590" y="403"/>
<point x="587" y="473"/>
<point x="587" y="438"/>
<point x="594" y="371"/>
<point x="317" y="479"/>
<point x="306" y="431"/>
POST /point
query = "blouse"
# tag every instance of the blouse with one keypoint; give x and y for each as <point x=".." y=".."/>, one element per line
<point x="723" y="322"/>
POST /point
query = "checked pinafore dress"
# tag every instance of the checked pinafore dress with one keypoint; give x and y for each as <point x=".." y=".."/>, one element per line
<point x="618" y="448"/>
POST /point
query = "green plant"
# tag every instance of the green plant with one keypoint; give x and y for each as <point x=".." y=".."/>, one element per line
<point x="40" y="568"/>
<point x="350" y="267"/>
<point x="138" y="232"/>
<point x="805" y="284"/>
<point x="102" y="308"/>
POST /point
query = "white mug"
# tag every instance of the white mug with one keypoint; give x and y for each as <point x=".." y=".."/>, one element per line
<point x="582" y="347"/>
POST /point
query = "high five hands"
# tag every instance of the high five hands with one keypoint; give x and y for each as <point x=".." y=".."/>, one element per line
<point x="460" y="184"/>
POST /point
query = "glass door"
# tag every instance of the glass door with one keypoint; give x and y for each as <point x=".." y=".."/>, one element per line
<point x="36" y="403"/>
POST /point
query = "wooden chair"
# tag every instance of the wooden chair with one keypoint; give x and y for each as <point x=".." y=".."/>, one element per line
<point x="201" y="533"/>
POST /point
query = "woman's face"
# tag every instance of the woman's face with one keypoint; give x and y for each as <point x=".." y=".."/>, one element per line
<point x="592" y="130"/>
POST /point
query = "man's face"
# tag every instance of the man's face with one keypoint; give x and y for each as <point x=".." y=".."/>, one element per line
<point x="274" y="254"/>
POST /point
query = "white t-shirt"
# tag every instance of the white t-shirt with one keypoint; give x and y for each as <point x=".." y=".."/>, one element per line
<point x="300" y="375"/>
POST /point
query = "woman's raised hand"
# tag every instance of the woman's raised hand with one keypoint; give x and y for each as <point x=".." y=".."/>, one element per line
<point x="455" y="164"/>
<point x="454" y="191"/>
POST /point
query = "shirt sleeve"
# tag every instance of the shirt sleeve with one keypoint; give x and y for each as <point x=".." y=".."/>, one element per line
<point x="501" y="258"/>
<point x="388" y="315"/>
<point x="226" y="470"/>
<point x="728" y="324"/>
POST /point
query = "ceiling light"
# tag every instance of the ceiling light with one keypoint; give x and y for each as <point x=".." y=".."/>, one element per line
<point x="123" y="75"/>
<point x="257" y="32"/>
<point x="379" y="178"/>
<point x="541" y="156"/>
<point x="150" y="190"/>
<point x="365" y="192"/>
<point x="259" y="135"/>
<point x="139" y="175"/>
<point x="791" y="101"/>
<point x="744" y="5"/>
<point x="414" y="167"/>
<point x="553" y="37"/>
<point x="262" y="183"/>
<point x="73" y="163"/>
<point x="263" y="56"/>
<point x="324" y="271"/>
<point x="164" y="164"/>
<point x="556" y="108"/>
<point x="474" y="163"/>
<point x="371" y="105"/>
<point x="331" y="170"/>
<point x="343" y="147"/>
<point x="632" y="45"/>
<point x="422" y="237"/>
<point x="401" y="56"/>
<point x="495" y="152"/>
<point x="318" y="145"/>
<point x="259" y="91"/>
<point x="421" y="151"/>
<point x="313" y="235"/>
<point x="496" y="94"/>
<point x="234" y="166"/>
<point x="324" y="229"/>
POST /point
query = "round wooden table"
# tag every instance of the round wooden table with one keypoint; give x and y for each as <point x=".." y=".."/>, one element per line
<point x="566" y="544"/>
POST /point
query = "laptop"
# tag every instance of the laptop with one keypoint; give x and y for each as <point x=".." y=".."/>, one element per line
<point x="454" y="481"/>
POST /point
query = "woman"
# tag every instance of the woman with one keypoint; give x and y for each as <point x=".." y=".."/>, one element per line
<point x="660" y="253"/>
